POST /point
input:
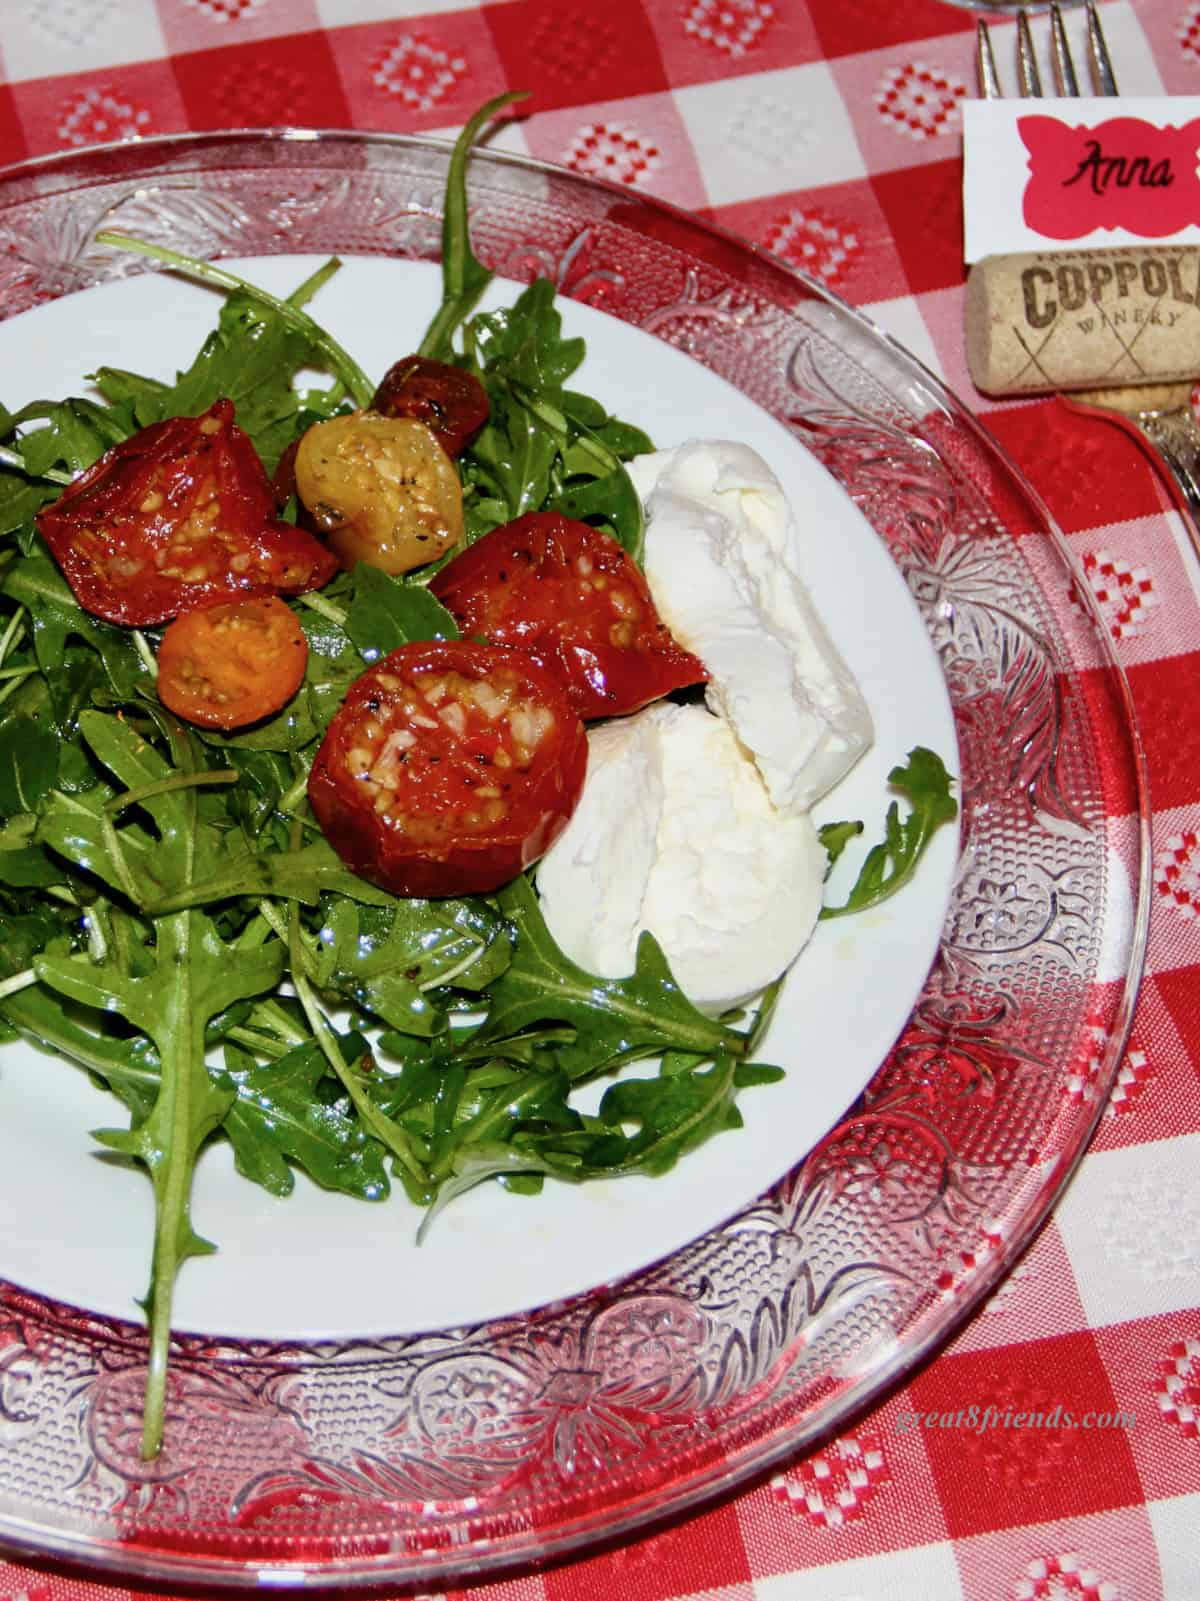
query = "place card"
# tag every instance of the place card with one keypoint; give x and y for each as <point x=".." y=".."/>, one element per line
<point x="1078" y="173"/>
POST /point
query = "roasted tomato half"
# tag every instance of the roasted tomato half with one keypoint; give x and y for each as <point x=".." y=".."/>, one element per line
<point x="452" y="404"/>
<point x="572" y="597"/>
<point x="449" y="767"/>
<point x="179" y="515"/>
<point x="228" y="665"/>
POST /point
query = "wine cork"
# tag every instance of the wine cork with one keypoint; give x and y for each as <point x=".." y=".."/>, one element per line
<point x="1083" y="319"/>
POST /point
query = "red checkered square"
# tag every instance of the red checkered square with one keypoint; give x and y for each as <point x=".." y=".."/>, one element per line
<point x="1105" y="1557"/>
<point x="12" y="135"/>
<point x="99" y="107"/>
<point x="414" y="74"/>
<point x="1154" y="1366"/>
<point x="838" y="234"/>
<point x="1136" y="576"/>
<point x="1163" y="694"/>
<point x="1089" y="474"/>
<point x="701" y="1557"/>
<point x="844" y="26"/>
<point x="270" y="83"/>
<point x="1179" y="992"/>
<point x="704" y="40"/>
<point x="1001" y="1476"/>
<point x="569" y="52"/>
<point x="923" y="207"/>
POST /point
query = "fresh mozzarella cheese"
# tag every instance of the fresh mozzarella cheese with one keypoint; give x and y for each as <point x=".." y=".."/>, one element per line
<point x="592" y="881"/>
<point x="721" y="564"/>
<point x="675" y="833"/>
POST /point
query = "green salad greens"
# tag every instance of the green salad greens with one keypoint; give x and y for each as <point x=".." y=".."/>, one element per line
<point x="172" y="920"/>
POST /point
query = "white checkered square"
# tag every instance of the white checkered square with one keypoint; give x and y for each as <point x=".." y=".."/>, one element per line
<point x="928" y="1571"/>
<point x="1175" y="1523"/>
<point x="1131" y="1224"/>
<point x="776" y="131"/>
<point x="54" y="38"/>
<point x="349" y="13"/>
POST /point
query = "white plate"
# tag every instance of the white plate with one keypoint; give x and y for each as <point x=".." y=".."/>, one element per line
<point x="317" y="1264"/>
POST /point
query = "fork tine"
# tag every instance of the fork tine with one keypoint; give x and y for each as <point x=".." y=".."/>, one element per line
<point x="1060" y="51"/>
<point x="1102" y="68"/>
<point x="985" y="63"/>
<point x="1029" y="79"/>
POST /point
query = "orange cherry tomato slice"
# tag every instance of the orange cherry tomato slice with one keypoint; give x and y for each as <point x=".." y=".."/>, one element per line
<point x="448" y="769"/>
<point x="228" y="665"/>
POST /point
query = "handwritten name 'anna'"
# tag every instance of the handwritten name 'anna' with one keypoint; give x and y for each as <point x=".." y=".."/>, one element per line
<point x="1120" y="172"/>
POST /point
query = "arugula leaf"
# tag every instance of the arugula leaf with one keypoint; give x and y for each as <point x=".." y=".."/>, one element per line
<point x="28" y="763"/>
<point x="675" y="1113"/>
<point x="252" y="357"/>
<point x="279" y="1117"/>
<point x="331" y="355"/>
<point x="925" y="784"/>
<point x="617" y="1019"/>
<point x="303" y="875"/>
<point x="37" y="584"/>
<point x="195" y="976"/>
<point x="387" y="612"/>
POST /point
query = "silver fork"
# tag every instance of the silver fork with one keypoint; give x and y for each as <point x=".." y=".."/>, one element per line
<point x="1159" y="416"/>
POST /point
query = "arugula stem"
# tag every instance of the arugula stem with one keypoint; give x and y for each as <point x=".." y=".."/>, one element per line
<point x="264" y="1044"/>
<point x="388" y="1133"/>
<point x="16" y="627"/>
<point x="165" y="786"/>
<point x="142" y="645"/>
<point x="19" y="981"/>
<point x="14" y="459"/>
<point x="271" y="1014"/>
<point x="557" y="423"/>
<point x="316" y="281"/>
<point x="13" y="683"/>
<point x="18" y="672"/>
<point x="464" y="277"/>
<point x="326" y="608"/>
<point x="293" y="797"/>
<point x="341" y="362"/>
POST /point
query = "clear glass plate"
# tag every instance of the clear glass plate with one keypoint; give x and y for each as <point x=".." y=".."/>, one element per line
<point x="429" y="1458"/>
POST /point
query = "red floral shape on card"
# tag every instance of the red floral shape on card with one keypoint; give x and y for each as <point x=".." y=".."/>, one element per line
<point x="1124" y="173"/>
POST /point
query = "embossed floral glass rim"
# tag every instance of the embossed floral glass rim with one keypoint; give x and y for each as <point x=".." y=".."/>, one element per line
<point x="460" y="1453"/>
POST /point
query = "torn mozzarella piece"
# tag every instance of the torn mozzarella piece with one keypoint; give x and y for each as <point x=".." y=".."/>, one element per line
<point x="675" y="833"/>
<point x="720" y="562"/>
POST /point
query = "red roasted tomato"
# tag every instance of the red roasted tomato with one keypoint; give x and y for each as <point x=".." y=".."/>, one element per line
<point x="448" y="768"/>
<point x="452" y="404"/>
<point x="177" y="516"/>
<point x="572" y="597"/>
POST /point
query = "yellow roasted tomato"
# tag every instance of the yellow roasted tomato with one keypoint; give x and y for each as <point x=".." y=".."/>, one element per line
<point x="381" y="488"/>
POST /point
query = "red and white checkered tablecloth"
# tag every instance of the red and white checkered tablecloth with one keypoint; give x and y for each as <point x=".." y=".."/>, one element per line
<point x="829" y="131"/>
